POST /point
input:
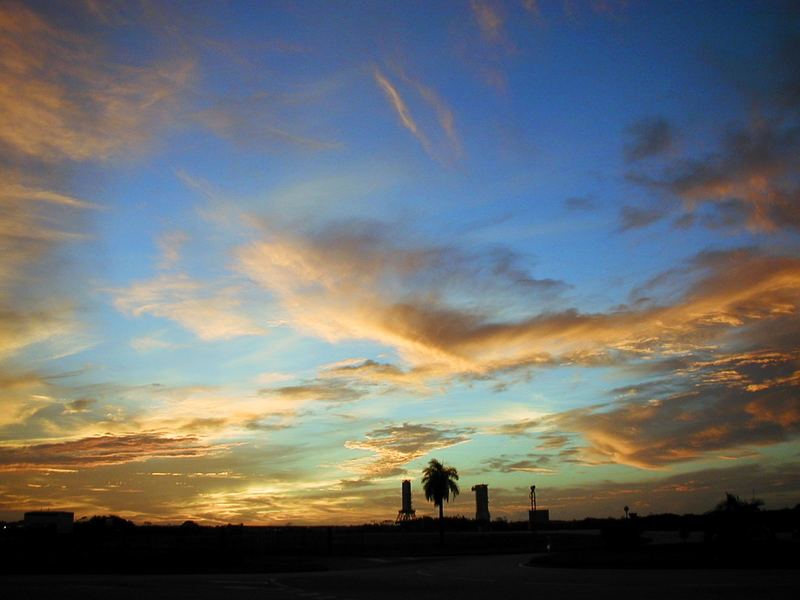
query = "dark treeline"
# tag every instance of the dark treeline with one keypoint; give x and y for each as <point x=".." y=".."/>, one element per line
<point x="110" y="544"/>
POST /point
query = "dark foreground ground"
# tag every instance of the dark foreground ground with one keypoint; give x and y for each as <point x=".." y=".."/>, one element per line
<point x="506" y="576"/>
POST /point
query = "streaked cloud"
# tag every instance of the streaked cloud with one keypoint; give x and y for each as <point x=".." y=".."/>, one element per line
<point x="346" y="284"/>
<point x="370" y="372"/>
<point x="401" y="108"/>
<point x="146" y="343"/>
<point x="211" y="312"/>
<point x="330" y="391"/>
<point x="65" y="99"/>
<point x="394" y="446"/>
<point x="34" y="222"/>
<point x="488" y="15"/>
<point x="752" y="172"/>
<point x="648" y="138"/>
<point x="264" y="121"/>
<point x="716" y="405"/>
<point x="749" y="178"/>
<point x="100" y="451"/>
<point x="511" y="464"/>
<point x="170" y="245"/>
<point x="634" y="217"/>
<point x="521" y="427"/>
<point x="439" y="138"/>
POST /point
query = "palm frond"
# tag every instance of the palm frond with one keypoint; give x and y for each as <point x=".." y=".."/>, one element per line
<point x="439" y="482"/>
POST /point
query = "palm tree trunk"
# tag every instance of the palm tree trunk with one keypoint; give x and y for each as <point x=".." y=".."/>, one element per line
<point x="441" y="523"/>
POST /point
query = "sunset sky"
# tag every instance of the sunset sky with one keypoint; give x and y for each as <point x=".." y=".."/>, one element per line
<point x="260" y="262"/>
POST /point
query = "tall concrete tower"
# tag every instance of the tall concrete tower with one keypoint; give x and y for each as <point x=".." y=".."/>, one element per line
<point x="406" y="512"/>
<point x="481" y="502"/>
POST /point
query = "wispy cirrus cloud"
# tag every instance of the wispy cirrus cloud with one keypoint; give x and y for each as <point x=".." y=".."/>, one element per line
<point x="401" y="108"/>
<point x="170" y="245"/>
<point x="443" y="142"/>
<point x="35" y="221"/>
<point x="210" y="312"/>
<point x="65" y="99"/>
<point x="490" y="20"/>
<point x="264" y="122"/>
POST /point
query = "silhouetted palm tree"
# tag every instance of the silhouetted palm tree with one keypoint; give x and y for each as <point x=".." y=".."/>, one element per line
<point x="439" y="483"/>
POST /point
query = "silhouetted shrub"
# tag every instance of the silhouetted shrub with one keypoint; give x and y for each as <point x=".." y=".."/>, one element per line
<point x="736" y="520"/>
<point x="104" y="524"/>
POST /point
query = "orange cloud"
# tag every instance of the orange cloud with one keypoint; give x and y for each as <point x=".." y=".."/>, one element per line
<point x="344" y="284"/>
<point x="750" y="178"/>
<point x="101" y="451"/>
<point x="395" y="446"/>
<point x="694" y="415"/>
<point x="63" y="99"/>
<point x="210" y="312"/>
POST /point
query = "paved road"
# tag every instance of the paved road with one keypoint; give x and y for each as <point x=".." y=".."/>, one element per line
<point x="484" y="578"/>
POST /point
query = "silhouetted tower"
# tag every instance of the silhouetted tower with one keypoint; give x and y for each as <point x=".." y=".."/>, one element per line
<point x="536" y="516"/>
<point x="481" y="502"/>
<point x="406" y="512"/>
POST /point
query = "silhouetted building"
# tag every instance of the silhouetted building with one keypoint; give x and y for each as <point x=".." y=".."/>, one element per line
<point x="536" y="516"/>
<point x="61" y="521"/>
<point x="539" y="516"/>
<point x="406" y="512"/>
<point x="481" y="502"/>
